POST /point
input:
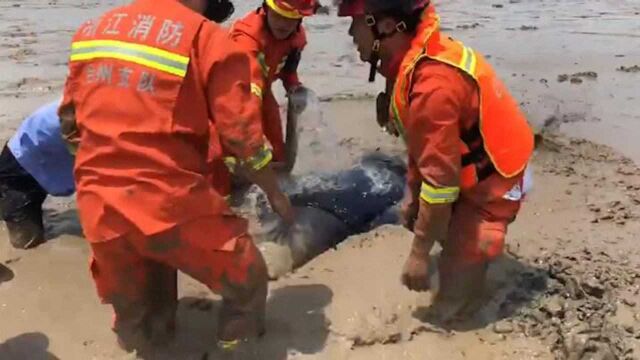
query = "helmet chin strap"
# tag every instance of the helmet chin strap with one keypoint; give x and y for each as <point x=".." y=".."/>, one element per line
<point x="374" y="60"/>
<point x="378" y="37"/>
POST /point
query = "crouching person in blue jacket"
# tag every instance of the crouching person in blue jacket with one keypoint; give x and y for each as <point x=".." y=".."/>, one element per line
<point x="34" y="163"/>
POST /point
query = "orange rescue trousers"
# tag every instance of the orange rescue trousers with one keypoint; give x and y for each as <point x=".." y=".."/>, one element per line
<point x="476" y="237"/>
<point x="137" y="275"/>
<point x="476" y="234"/>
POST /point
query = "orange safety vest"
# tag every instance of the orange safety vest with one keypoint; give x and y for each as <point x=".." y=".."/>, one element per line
<point x="501" y="140"/>
<point x="142" y="152"/>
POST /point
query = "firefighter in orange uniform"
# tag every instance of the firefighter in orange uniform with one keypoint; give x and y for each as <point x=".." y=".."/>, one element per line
<point x="274" y="36"/>
<point x="146" y="82"/>
<point x="468" y="142"/>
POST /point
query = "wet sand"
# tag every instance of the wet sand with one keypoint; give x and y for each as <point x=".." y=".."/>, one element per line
<point x="566" y="289"/>
<point x="348" y="303"/>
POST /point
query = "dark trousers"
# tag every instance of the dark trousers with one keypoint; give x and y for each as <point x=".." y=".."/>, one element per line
<point x="21" y="199"/>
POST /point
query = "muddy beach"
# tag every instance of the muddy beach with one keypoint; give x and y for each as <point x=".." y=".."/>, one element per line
<point x="567" y="288"/>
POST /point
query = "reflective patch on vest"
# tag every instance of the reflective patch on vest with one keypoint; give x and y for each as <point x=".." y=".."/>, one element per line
<point x="434" y="195"/>
<point x="228" y="346"/>
<point x="281" y="65"/>
<point x="469" y="61"/>
<point x="230" y="162"/>
<point x="263" y="65"/>
<point x="257" y="162"/>
<point x="396" y="119"/>
<point x="256" y="90"/>
<point x="144" y="55"/>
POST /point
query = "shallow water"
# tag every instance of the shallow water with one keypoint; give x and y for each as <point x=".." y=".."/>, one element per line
<point x="529" y="42"/>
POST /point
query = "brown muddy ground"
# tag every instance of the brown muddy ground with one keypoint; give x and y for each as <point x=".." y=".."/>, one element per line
<point x="567" y="289"/>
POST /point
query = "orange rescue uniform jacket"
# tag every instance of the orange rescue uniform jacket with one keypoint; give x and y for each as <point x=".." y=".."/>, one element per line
<point x="277" y="59"/>
<point x="147" y="81"/>
<point x="271" y="59"/>
<point x="465" y="134"/>
<point x="274" y="59"/>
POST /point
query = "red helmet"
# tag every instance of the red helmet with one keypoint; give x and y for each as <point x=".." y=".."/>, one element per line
<point x="363" y="7"/>
<point x="351" y="7"/>
<point x="293" y="9"/>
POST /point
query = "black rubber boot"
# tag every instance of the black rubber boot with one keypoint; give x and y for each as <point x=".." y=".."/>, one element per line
<point x="162" y="302"/>
<point x="26" y="233"/>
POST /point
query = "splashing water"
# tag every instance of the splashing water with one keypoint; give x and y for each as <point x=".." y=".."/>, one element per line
<point x="319" y="138"/>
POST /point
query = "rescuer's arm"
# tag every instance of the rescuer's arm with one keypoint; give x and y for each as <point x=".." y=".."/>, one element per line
<point x="433" y="143"/>
<point x="236" y="98"/>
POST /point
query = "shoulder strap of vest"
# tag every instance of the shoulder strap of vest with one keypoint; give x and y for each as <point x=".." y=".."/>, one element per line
<point x="430" y="22"/>
<point x="447" y="50"/>
<point x="430" y="43"/>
